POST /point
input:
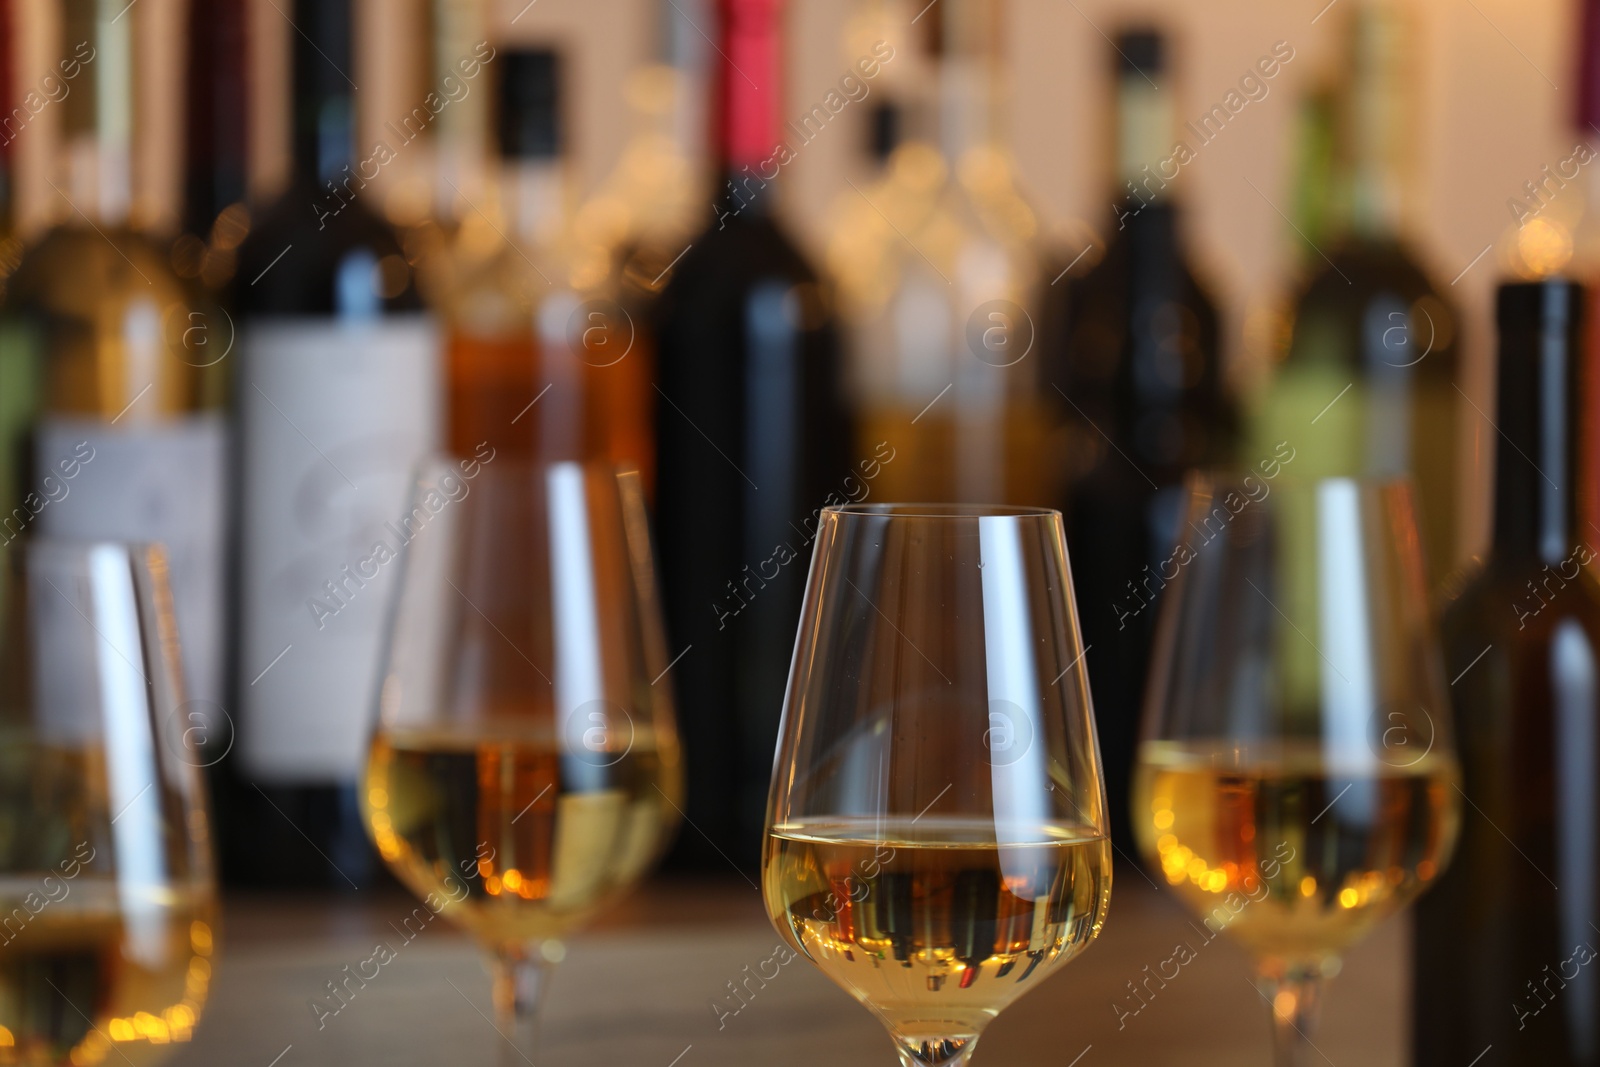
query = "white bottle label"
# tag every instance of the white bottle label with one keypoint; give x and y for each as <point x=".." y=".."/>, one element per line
<point x="151" y="481"/>
<point x="333" y="419"/>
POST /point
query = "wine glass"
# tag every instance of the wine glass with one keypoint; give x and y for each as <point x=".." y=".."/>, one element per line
<point x="936" y="838"/>
<point x="524" y="772"/>
<point x="107" y="892"/>
<point x="1296" y="778"/>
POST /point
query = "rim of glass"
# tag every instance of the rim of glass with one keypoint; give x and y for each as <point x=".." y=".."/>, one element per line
<point x="943" y="511"/>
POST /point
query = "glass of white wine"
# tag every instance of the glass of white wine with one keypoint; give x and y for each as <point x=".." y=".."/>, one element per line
<point x="524" y="772"/>
<point x="1296" y="781"/>
<point x="107" y="891"/>
<point x="937" y="839"/>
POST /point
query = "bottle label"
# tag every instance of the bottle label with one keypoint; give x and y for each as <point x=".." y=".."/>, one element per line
<point x="333" y="419"/>
<point x="162" y="482"/>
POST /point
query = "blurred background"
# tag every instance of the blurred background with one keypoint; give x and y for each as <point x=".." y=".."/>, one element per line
<point x="1025" y="252"/>
<point x="258" y="257"/>
<point x="1494" y="91"/>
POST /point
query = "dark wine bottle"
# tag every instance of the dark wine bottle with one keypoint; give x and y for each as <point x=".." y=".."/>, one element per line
<point x="337" y="397"/>
<point x="216" y="219"/>
<point x="1136" y="360"/>
<point x="1506" y="969"/>
<point x="751" y="437"/>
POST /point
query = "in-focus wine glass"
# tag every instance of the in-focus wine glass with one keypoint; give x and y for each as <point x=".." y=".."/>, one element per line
<point x="937" y="838"/>
<point x="525" y="771"/>
<point x="1296" y="780"/>
<point x="107" y="889"/>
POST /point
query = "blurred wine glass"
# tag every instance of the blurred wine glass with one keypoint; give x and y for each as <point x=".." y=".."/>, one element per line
<point x="525" y="772"/>
<point x="936" y="838"/>
<point x="107" y="892"/>
<point x="1296" y="781"/>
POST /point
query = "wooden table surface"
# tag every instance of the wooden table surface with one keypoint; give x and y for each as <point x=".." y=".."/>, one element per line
<point x="638" y="989"/>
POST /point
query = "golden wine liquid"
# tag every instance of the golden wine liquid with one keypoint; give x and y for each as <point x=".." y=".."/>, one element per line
<point x="1295" y="855"/>
<point x="936" y="923"/>
<point x="517" y="839"/>
<point x="98" y="974"/>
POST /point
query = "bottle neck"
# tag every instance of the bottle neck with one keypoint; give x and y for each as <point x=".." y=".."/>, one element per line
<point x="535" y="199"/>
<point x="1539" y="416"/>
<point x="1144" y="139"/>
<point x="681" y="48"/>
<point x="1375" y="124"/>
<point x="1586" y="112"/>
<point x="969" y="76"/>
<point x="749" y="84"/>
<point x="216" y="136"/>
<point x="459" y="28"/>
<point x="324" y="106"/>
<point x="97" y="134"/>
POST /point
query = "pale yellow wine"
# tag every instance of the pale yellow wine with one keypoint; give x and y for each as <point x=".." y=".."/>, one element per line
<point x="102" y="972"/>
<point x="936" y="923"/>
<point x="1294" y="852"/>
<point x="516" y="838"/>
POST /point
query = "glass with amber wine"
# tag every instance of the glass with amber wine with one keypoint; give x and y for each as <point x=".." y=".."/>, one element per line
<point x="107" y="892"/>
<point x="937" y="839"/>
<point x="524" y="772"/>
<point x="1297" y="779"/>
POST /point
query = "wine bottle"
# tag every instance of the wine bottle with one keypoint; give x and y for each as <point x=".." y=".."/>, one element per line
<point x="544" y="362"/>
<point x="1368" y="381"/>
<point x="751" y="437"/>
<point x="1505" y="943"/>
<point x="937" y="276"/>
<point x="627" y="235"/>
<point x="1136" y="357"/>
<point x="216" y="218"/>
<point x="337" y="398"/>
<point x="648" y="208"/>
<point x="129" y="439"/>
<point x="499" y="277"/>
<point x="595" y="357"/>
<point x="894" y="95"/>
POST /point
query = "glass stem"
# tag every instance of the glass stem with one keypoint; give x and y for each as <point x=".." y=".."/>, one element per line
<point x="1295" y="994"/>
<point x="952" y="1053"/>
<point x="520" y="977"/>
